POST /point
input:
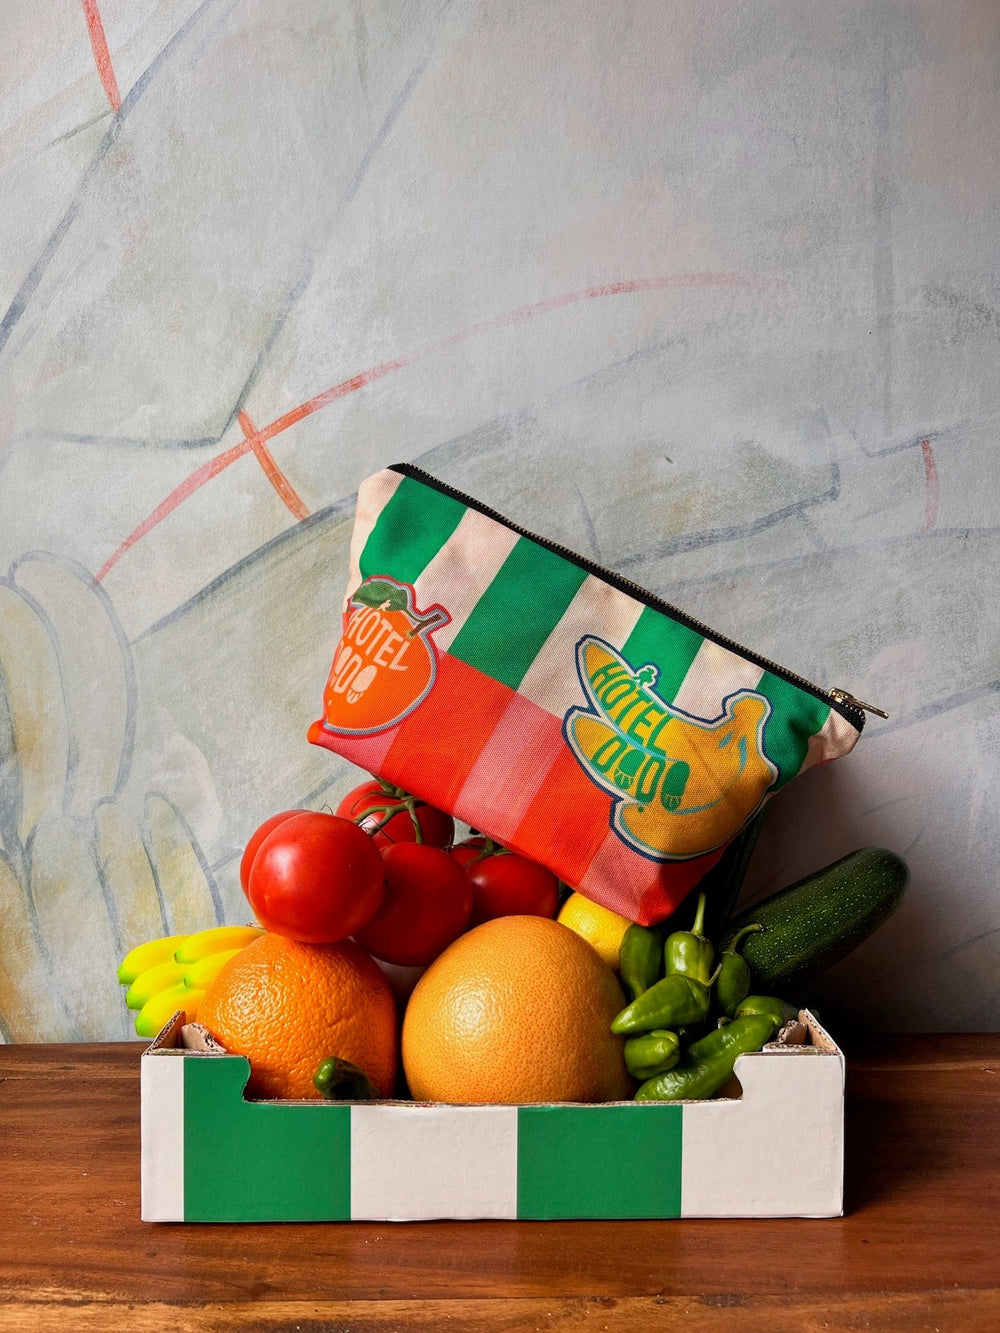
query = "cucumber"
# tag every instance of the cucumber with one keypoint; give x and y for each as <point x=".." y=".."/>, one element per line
<point x="813" y="924"/>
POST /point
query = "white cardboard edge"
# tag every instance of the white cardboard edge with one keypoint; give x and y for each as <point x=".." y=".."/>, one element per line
<point x="416" y="1163"/>
<point x="162" y="1135"/>
<point x="777" y="1151"/>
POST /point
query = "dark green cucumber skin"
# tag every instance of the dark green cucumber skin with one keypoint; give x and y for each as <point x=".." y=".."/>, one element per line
<point x="818" y="921"/>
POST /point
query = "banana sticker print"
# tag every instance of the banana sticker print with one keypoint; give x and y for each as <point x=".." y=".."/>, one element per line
<point x="385" y="663"/>
<point x="682" y="785"/>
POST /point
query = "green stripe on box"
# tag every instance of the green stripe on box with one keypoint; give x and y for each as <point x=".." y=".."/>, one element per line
<point x="260" y="1161"/>
<point x="411" y="529"/>
<point x="599" y="1161"/>
<point x="668" y="644"/>
<point x="517" y="612"/>
<point x="795" y="716"/>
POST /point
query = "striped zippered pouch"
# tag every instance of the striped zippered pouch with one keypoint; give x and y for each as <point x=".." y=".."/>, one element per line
<point x="563" y="710"/>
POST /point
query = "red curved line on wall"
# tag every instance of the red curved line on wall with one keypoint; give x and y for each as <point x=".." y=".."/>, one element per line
<point x="218" y="464"/>
<point x="274" y="474"/>
<point x="102" y="56"/>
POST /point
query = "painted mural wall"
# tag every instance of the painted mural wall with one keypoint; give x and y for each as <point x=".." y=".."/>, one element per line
<point x="707" y="291"/>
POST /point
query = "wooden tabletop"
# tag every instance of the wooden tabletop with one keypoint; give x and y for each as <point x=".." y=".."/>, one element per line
<point x="919" y="1248"/>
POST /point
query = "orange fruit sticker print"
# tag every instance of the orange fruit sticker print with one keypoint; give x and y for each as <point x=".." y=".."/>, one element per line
<point x="385" y="663"/>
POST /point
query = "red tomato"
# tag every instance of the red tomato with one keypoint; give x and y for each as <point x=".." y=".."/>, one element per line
<point x="466" y="851"/>
<point x="316" y="878"/>
<point x="257" y="839"/>
<point x="505" y="884"/>
<point x="437" y="828"/>
<point x="428" y="902"/>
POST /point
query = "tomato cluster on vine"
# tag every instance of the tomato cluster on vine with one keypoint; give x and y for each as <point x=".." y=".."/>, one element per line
<point x="385" y="869"/>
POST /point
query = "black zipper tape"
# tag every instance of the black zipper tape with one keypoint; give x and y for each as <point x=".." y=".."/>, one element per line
<point x="856" y="716"/>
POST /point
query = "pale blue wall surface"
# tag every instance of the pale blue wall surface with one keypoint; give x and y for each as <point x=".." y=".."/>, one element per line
<point x="707" y="291"/>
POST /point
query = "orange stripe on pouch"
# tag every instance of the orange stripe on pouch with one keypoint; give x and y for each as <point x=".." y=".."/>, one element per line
<point x="437" y="746"/>
<point x="637" y="887"/>
<point x="676" y="880"/>
<point x="510" y="768"/>
<point x="567" y="821"/>
<point x="368" y="752"/>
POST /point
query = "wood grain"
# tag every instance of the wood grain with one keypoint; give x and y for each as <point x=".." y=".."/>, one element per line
<point x="958" y="1312"/>
<point x="915" y="1251"/>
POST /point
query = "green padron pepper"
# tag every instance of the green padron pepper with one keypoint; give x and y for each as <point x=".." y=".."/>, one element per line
<point x="652" y="1053"/>
<point x="709" y="1063"/>
<point x="341" y="1081"/>
<point x="639" y="959"/>
<point x="688" y="953"/>
<point x="673" y="1002"/>
<point x="733" y="984"/>
<point x="769" y="1005"/>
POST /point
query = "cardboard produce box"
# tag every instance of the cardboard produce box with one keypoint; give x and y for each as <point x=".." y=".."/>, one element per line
<point x="210" y="1155"/>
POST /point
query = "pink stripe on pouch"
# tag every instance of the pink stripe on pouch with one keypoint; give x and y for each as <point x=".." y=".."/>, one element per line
<point x="511" y="767"/>
<point x="637" y="887"/>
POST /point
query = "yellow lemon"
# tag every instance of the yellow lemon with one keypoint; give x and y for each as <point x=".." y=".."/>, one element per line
<point x="599" y="926"/>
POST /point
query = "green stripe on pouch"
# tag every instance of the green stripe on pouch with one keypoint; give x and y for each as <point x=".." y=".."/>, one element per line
<point x="795" y="716"/>
<point x="599" y="1161"/>
<point x="415" y="523"/>
<point x="669" y="645"/>
<point x="518" y="611"/>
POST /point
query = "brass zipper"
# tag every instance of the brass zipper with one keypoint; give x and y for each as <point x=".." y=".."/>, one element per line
<point x="841" y="696"/>
<point x="846" y="704"/>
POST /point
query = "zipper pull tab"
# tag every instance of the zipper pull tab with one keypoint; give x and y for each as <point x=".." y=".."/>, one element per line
<point x="842" y="697"/>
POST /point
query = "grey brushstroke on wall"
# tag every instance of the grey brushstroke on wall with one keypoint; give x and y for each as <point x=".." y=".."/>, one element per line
<point x="796" y="443"/>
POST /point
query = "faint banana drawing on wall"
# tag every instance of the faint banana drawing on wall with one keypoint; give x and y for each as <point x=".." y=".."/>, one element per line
<point x="87" y="868"/>
<point x="642" y="276"/>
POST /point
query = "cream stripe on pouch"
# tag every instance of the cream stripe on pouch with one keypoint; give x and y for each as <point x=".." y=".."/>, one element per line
<point x="463" y="569"/>
<point x="830" y="741"/>
<point x="714" y="674"/>
<point x="373" y="496"/>
<point x="551" y="680"/>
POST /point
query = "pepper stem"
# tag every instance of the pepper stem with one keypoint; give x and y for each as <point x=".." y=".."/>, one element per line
<point x="699" y="918"/>
<point x="747" y="930"/>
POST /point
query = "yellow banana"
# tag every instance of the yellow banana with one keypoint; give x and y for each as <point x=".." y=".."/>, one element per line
<point x="220" y="938"/>
<point x="160" y="1008"/>
<point x="162" y="977"/>
<point x="200" y="975"/>
<point x="145" y="956"/>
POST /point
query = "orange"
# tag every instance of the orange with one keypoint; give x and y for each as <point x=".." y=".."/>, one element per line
<point x="516" y="1010"/>
<point x="286" y="1006"/>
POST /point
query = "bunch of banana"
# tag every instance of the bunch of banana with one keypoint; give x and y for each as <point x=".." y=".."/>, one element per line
<point x="174" y="972"/>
